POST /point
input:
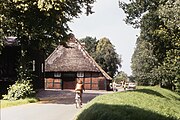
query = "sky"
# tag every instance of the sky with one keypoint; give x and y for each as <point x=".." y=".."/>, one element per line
<point x="107" y="21"/>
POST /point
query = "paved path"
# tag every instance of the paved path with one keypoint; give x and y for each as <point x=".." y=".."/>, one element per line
<point x="39" y="112"/>
<point x="53" y="105"/>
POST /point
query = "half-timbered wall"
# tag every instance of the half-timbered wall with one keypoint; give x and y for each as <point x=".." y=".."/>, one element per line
<point x="53" y="83"/>
<point x="91" y="81"/>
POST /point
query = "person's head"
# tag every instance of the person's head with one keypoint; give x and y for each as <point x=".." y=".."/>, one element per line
<point x="79" y="81"/>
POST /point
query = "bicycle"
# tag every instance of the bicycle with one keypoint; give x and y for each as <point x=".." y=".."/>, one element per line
<point x="78" y="100"/>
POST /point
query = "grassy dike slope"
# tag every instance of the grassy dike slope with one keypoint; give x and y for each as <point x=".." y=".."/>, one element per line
<point x="144" y="103"/>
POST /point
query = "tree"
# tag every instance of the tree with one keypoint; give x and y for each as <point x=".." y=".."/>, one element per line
<point x="143" y="63"/>
<point x="106" y="56"/>
<point x="169" y="13"/>
<point x="44" y="21"/>
<point x="121" y="76"/>
<point x="90" y="45"/>
<point x="159" y="23"/>
<point x="39" y="24"/>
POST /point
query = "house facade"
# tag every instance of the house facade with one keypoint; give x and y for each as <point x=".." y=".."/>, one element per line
<point x="66" y="64"/>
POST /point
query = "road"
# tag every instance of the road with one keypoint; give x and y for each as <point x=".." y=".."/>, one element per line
<point x="36" y="111"/>
<point x="53" y="105"/>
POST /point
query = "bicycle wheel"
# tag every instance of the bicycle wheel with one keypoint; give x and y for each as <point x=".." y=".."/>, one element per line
<point x="78" y="103"/>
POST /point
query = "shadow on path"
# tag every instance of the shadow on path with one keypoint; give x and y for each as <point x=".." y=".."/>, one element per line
<point x="64" y="96"/>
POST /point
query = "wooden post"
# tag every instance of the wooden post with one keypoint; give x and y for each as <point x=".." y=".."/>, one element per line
<point x="91" y="82"/>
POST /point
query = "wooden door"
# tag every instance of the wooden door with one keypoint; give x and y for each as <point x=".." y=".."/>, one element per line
<point x="69" y="83"/>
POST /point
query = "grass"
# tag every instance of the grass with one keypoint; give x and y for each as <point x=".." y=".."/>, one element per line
<point x="145" y="103"/>
<point x="7" y="103"/>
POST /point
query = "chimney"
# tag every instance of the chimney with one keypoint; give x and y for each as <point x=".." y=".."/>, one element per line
<point x="71" y="38"/>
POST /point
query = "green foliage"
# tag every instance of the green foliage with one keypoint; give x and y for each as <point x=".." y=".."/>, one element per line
<point x="159" y="24"/>
<point x="39" y="18"/>
<point x="121" y="76"/>
<point x="39" y="24"/>
<point x="23" y="87"/>
<point x="143" y="63"/>
<point x="136" y="9"/>
<point x="170" y="70"/>
<point x="19" y="90"/>
<point x="90" y="45"/>
<point x="169" y="12"/>
<point x="106" y="56"/>
<point x="145" y="103"/>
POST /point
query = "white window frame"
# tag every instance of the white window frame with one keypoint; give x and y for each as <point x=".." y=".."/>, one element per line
<point x="42" y="67"/>
<point x="56" y="74"/>
<point x="80" y="74"/>
<point x="33" y="65"/>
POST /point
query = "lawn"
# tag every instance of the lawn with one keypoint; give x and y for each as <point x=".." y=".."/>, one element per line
<point x="144" y="103"/>
<point x="7" y="103"/>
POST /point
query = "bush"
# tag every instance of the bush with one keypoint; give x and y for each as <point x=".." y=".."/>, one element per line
<point x="21" y="89"/>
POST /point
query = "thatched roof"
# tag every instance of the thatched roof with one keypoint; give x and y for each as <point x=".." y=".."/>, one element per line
<point x="73" y="58"/>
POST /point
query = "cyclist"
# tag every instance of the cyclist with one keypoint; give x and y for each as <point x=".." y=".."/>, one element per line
<point x="78" y="99"/>
<point x="79" y="88"/>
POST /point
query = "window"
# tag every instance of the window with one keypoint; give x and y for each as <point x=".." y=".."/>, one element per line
<point x="80" y="74"/>
<point x="57" y="74"/>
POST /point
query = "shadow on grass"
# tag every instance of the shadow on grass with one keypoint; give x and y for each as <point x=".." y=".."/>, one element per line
<point x="151" y="92"/>
<point x="119" y="112"/>
<point x="62" y="96"/>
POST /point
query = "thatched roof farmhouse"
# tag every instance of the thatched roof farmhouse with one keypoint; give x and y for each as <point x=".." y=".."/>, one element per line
<point x="67" y="63"/>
